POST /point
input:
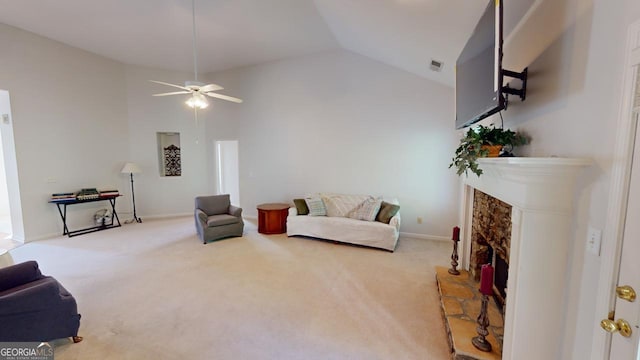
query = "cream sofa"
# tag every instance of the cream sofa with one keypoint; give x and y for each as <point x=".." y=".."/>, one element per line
<point x="344" y="229"/>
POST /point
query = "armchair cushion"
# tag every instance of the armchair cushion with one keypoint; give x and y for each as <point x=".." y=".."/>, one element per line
<point x="213" y="205"/>
<point x="222" y="219"/>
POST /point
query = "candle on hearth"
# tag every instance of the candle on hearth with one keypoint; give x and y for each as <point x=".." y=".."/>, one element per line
<point x="456" y="234"/>
<point x="486" y="279"/>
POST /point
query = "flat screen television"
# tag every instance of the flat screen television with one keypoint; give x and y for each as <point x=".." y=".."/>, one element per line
<point x="479" y="70"/>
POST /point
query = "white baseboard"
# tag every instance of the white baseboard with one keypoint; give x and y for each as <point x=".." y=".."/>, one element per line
<point x="250" y="217"/>
<point x="424" y="236"/>
<point x="43" y="237"/>
<point x="17" y="238"/>
<point x="157" y="217"/>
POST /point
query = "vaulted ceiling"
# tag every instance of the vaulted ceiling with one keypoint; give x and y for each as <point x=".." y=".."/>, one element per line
<point x="406" y="34"/>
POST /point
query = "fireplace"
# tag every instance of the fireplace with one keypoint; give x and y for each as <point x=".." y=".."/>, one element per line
<point x="539" y="193"/>
<point x="491" y="240"/>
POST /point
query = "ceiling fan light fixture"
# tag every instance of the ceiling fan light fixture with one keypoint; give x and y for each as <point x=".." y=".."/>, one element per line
<point x="197" y="101"/>
<point x="197" y="88"/>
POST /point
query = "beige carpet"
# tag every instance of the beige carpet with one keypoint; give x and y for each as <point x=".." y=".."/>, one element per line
<point x="154" y="291"/>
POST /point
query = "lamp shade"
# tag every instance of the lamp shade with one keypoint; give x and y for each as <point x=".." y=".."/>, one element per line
<point x="130" y="168"/>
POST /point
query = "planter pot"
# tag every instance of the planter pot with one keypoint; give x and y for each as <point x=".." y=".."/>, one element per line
<point x="494" y="150"/>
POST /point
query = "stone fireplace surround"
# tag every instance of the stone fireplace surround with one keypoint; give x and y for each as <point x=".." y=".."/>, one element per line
<point x="490" y="239"/>
<point x="541" y="193"/>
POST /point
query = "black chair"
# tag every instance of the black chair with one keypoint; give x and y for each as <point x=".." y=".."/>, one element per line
<point x="34" y="307"/>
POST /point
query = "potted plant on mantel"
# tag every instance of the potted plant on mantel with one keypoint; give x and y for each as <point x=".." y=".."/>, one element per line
<point x="484" y="141"/>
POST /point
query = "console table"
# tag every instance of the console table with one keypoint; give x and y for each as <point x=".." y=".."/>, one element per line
<point x="63" y="214"/>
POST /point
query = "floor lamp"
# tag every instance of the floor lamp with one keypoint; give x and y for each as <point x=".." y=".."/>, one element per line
<point x="131" y="168"/>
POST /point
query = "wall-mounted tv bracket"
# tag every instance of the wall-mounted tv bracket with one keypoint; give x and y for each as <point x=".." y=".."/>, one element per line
<point x="507" y="90"/>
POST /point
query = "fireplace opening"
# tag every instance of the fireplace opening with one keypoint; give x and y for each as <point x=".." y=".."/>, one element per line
<point x="500" y="276"/>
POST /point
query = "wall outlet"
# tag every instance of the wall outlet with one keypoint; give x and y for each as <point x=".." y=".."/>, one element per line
<point x="419" y="219"/>
<point x="594" y="238"/>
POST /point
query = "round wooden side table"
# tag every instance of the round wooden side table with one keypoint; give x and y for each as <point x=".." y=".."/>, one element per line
<point x="272" y="218"/>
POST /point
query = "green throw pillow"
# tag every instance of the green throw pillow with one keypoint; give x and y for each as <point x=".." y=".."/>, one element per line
<point x="387" y="211"/>
<point x="301" y="206"/>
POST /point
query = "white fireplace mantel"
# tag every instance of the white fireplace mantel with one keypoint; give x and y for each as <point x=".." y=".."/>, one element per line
<point x="541" y="192"/>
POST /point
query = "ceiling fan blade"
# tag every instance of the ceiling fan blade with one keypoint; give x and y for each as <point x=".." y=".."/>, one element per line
<point x="211" y="87"/>
<point x="224" y="97"/>
<point x="177" y="86"/>
<point x="173" y="93"/>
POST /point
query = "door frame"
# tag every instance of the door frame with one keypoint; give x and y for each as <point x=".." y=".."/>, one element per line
<point x="618" y="196"/>
<point x="219" y="176"/>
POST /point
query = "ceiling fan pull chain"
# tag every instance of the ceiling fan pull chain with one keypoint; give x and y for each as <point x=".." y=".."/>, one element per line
<point x="195" y="48"/>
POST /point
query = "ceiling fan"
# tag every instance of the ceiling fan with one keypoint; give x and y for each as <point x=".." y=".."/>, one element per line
<point x="197" y="89"/>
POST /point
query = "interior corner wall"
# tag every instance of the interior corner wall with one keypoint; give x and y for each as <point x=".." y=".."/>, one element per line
<point x="156" y="195"/>
<point x="573" y="99"/>
<point x="340" y="122"/>
<point x="69" y="121"/>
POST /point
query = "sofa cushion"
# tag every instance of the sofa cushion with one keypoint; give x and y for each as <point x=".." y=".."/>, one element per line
<point x="316" y="207"/>
<point x="367" y="210"/>
<point x="387" y="211"/>
<point x="222" y="219"/>
<point x="301" y="206"/>
<point x="368" y="233"/>
<point x="342" y="205"/>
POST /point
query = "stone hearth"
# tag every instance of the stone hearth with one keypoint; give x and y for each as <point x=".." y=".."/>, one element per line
<point x="460" y="301"/>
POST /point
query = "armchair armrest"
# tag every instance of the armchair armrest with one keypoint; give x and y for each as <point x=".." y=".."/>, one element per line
<point x="293" y="211"/>
<point x="201" y="215"/>
<point x="31" y="297"/>
<point x="18" y="274"/>
<point x="235" y="211"/>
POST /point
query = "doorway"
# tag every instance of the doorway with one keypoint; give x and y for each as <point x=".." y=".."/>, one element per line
<point x="619" y="311"/>
<point x="11" y="225"/>
<point x="227" y="169"/>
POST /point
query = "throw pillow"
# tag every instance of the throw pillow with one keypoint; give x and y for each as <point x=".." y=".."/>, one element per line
<point x="301" y="206"/>
<point x="342" y="205"/>
<point x="367" y="210"/>
<point x="387" y="211"/>
<point x="316" y="207"/>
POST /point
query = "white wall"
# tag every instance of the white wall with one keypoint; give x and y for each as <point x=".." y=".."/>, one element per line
<point x="340" y="122"/>
<point x="572" y="104"/>
<point x="10" y="171"/>
<point x="69" y="122"/>
<point x="164" y="195"/>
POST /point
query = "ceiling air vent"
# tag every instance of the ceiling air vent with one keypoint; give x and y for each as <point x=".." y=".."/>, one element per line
<point x="436" y="65"/>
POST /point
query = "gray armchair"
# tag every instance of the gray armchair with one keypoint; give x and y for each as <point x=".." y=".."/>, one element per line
<point x="34" y="307"/>
<point x="216" y="218"/>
